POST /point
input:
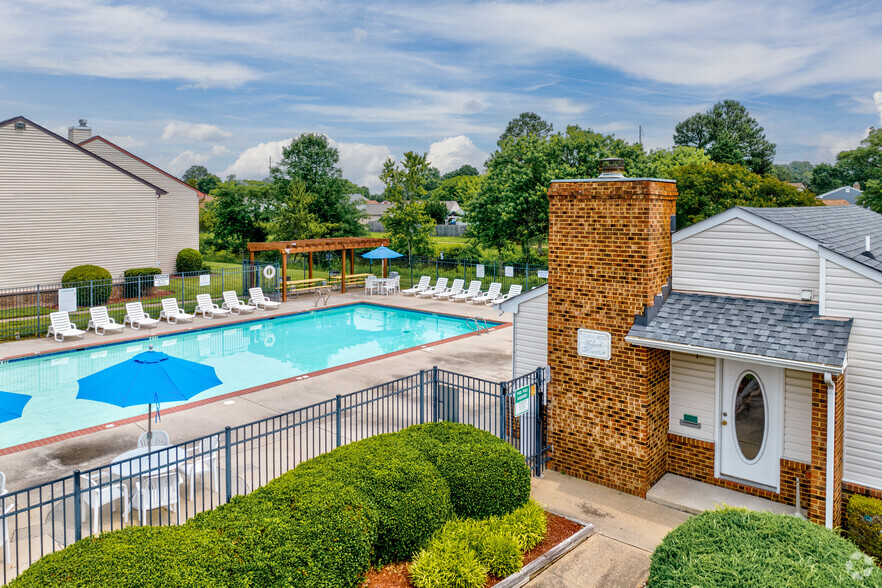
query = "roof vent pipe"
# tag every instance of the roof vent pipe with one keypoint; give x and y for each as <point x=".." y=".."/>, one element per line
<point x="612" y="167"/>
<point x="868" y="243"/>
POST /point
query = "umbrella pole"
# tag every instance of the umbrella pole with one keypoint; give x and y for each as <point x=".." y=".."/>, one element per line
<point x="149" y="426"/>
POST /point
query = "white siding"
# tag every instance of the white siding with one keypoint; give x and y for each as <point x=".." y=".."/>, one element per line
<point x="798" y="416"/>
<point x="531" y="335"/>
<point x="60" y="207"/>
<point x="851" y="294"/>
<point x="178" y="210"/>
<point x="737" y="258"/>
<point x="693" y="391"/>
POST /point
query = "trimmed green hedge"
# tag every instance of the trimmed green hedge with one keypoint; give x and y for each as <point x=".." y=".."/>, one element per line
<point x="320" y="525"/>
<point x="93" y="284"/>
<point x="139" y="280"/>
<point x="189" y="260"/>
<point x="737" y="548"/>
<point x="864" y="519"/>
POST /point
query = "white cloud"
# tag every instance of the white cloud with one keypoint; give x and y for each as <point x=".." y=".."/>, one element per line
<point x="254" y="162"/>
<point x="453" y="152"/>
<point x="362" y="163"/>
<point x="877" y="98"/>
<point x="127" y="142"/>
<point x="179" y="164"/>
<point x="832" y="144"/>
<point x="194" y="132"/>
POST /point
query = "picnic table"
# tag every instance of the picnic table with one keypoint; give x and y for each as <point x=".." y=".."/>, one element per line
<point x="351" y="280"/>
<point x="295" y="286"/>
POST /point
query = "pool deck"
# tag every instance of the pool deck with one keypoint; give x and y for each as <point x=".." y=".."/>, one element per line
<point x="486" y="356"/>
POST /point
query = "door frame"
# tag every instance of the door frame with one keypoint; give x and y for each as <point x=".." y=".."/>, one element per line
<point x="718" y="429"/>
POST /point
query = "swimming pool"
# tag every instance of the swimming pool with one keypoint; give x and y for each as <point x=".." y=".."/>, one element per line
<point x="244" y="355"/>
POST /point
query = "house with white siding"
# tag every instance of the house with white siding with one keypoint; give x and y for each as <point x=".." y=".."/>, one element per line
<point x="769" y="315"/>
<point x="63" y="205"/>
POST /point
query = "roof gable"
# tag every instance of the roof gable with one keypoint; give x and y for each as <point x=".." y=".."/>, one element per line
<point x="512" y="304"/>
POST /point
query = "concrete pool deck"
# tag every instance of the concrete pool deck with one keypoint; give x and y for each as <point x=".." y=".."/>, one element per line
<point x="486" y="356"/>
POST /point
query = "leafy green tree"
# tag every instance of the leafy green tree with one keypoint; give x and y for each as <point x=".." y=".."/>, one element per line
<point x="864" y="163"/>
<point x="436" y="209"/>
<point x="432" y="179"/>
<point x="200" y="178"/>
<point x="795" y="171"/>
<point x="728" y="134"/>
<point x="661" y="161"/>
<point x="526" y="123"/>
<point x="409" y="226"/>
<point x="711" y="188"/>
<point x="241" y="211"/>
<point x="461" y="189"/>
<point x="872" y="196"/>
<point x="577" y="154"/>
<point x="464" y="170"/>
<point x="295" y="219"/>
<point x="824" y="178"/>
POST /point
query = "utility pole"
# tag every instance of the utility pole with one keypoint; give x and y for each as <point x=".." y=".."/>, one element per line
<point x="640" y="136"/>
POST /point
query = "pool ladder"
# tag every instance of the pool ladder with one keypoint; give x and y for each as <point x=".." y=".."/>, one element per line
<point x="477" y="327"/>
<point x="322" y="295"/>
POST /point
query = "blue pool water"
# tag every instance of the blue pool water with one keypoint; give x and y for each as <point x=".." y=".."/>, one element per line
<point x="244" y="355"/>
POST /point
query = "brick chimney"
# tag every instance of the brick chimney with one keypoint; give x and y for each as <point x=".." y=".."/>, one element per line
<point x="609" y="255"/>
<point x="79" y="134"/>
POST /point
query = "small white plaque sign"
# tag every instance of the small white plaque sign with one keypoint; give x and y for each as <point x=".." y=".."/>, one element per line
<point x="67" y="299"/>
<point x="160" y="280"/>
<point x="594" y="344"/>
<point x="205" y="279"/>
<point x="509" y="271"/>
<point x="479" y="271"/>
<point x="542" y="274"/>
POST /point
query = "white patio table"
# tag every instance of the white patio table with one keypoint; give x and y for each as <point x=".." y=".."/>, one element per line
<point x="156" y="462"/>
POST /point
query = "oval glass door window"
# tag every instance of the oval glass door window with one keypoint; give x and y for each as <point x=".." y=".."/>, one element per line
<point x="750" y="416"/>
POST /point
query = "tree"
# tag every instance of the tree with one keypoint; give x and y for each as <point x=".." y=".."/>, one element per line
<point x="872" y="196"/>
<point x="241" y="211"/>
<point x="711" y="188"/>
<point x="200" y="178"/>
<point x="824" y="178"/>
<point x="526" y="123"/>
<point x="864" y="163"/>
<point x="795" y="172"/>
<point x="437" y="210"/>
<point x="464" y="170"/>
<point x="661" y="161"/>
<point x="406" y="221"/>
<point x="432" y="179"/>
<point x="728" y="134"/>
<point x="295" y="219"/>
<point x="461" y="189"/>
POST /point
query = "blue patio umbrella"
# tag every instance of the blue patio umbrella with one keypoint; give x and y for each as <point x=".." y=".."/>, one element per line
<point x="381" y="252"/>
<point x="148" y="378"/>
<point x="12" y="405"/>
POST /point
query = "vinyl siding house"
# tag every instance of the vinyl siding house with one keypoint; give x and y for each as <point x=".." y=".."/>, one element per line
<point x="63" y="206"/>
<point x="759" y="347"/>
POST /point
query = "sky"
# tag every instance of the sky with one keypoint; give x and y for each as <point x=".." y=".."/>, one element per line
<point x="228" y="84"/>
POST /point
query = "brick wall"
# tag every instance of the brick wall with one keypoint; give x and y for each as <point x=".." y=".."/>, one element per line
<point x="609" y="255"/>
<point x="818" y="489"/>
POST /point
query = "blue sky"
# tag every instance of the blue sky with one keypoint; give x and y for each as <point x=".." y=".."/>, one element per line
<point x="226" y="84"/>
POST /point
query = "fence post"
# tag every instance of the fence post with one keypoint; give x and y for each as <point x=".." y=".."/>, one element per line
<point x="537" y="428"/>
<point x="78" y="507"/>
<point x="527" y="277"/>
<point x="228" y="459"/>
<point x="91" y="292"/>
<point x="422" y="396"/>
<point x="339" y="421"/>
<point x="39" y="309"/>
<point x="410" y="261"/>
<point x="502" y="411"/>
<point x="435" y="394"/>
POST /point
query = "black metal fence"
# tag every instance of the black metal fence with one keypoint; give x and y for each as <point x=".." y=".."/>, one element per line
<point x="171" y="484"/>
<point x="526" y="274"/>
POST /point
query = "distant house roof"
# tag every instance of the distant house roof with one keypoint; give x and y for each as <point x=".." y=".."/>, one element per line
<point x="798" y="185"/>
<point x="849" y="193"/>
<point x="376" y="209"/>
<point x="828" y="202"/>
<point x="453" y="207"/>
<point x="727" y="326"/>
<point x="358" y="199"/>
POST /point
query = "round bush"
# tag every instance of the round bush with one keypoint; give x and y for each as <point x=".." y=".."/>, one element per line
<point x="188" y="260"/>
<point x="864" y="517"/>
<point x="139" y="280"/>
<point x="738" y="548"/>
<point x="93" y="284"/>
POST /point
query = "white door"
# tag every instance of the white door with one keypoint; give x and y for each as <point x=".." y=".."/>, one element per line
<point x="751" y="423"/>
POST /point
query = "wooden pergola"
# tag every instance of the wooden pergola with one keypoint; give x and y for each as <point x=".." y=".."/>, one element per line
<point x="310" y="246"/>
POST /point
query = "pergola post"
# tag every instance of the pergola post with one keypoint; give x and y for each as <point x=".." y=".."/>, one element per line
<point x="343" y="271"/>
<point x="310" y="265"/>
<point x="351" y="261"/>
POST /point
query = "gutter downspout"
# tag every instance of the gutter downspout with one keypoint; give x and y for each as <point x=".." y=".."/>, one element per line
<point x="831" y="438"/>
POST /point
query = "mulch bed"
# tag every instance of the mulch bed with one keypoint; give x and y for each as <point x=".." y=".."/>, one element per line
<point x="396" y="576"/>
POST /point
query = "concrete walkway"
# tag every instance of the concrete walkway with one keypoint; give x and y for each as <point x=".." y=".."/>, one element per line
<point x="628" y="530"/>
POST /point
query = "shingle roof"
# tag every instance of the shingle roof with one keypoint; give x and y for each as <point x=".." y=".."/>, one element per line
<point x="849" y="193"/>
<point x="770" y="328"/>
<point x="842" y="229"/>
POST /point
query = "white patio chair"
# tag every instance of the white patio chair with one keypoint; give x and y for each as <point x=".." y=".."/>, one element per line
<point x="371" y="285"/>
<point x="391" y="285"/>
<point x="102" y="322"/>
<point x="258" y="299"/>
<point x="474" y="290"/>
<point x="513" y="290"/>
<point x="453" y="290"/>
<point x="160" y="439"/>
<point x="208" y="308"/>
<point x="439" y="287"/>
<point x="157" y="491"/>
<point x="61" y="327"/>
<point x="137" y="318"/>
<point x="203" y="460"/>
<point x="173" y="313"/>
<point x="420" y="287"/>
<point x="492" y="293"/>
<point x="95" y="495"/>
<point x="4" y="532"/>
<point x="231" y="303"/>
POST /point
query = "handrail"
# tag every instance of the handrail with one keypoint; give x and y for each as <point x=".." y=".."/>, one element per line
<point x="477" y="328"/>
<point x="322" y="295"/>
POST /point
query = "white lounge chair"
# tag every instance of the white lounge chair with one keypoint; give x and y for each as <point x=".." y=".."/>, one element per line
<point x="172" y="313"/>
<point x="453" y="290"/>
<point x="474" y="290"/>
<point x="439" y="287"/>
<point x="492" y="293"/>
<point x="156" y="492"/>
<point x="102" y="322"/>
<point x="61" y="327"/>
<point x="422" y="286"/>
<point x="136" y="316"/>
<point x="231" y="303"/>
<point x="513" y="290"/>
<point x="160" y="439"/>
<point x="208" y="308"/>
<point x="95" y="495"/>
<point x="260" y="301"/>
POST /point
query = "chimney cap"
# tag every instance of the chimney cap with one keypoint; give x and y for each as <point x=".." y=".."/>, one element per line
<point x="84" y="123"/>
<point x="612" y="167"/>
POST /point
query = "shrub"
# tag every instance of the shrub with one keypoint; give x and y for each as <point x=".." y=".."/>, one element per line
<point x="864" y="518"/>
<point x="448" y="563"/>
<point x="93" y="283"/>
<point x="738" y="548"/>
<point x="528" y="525"/>
<point x="139" y="280"/>
<point x="189" y="260"/>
